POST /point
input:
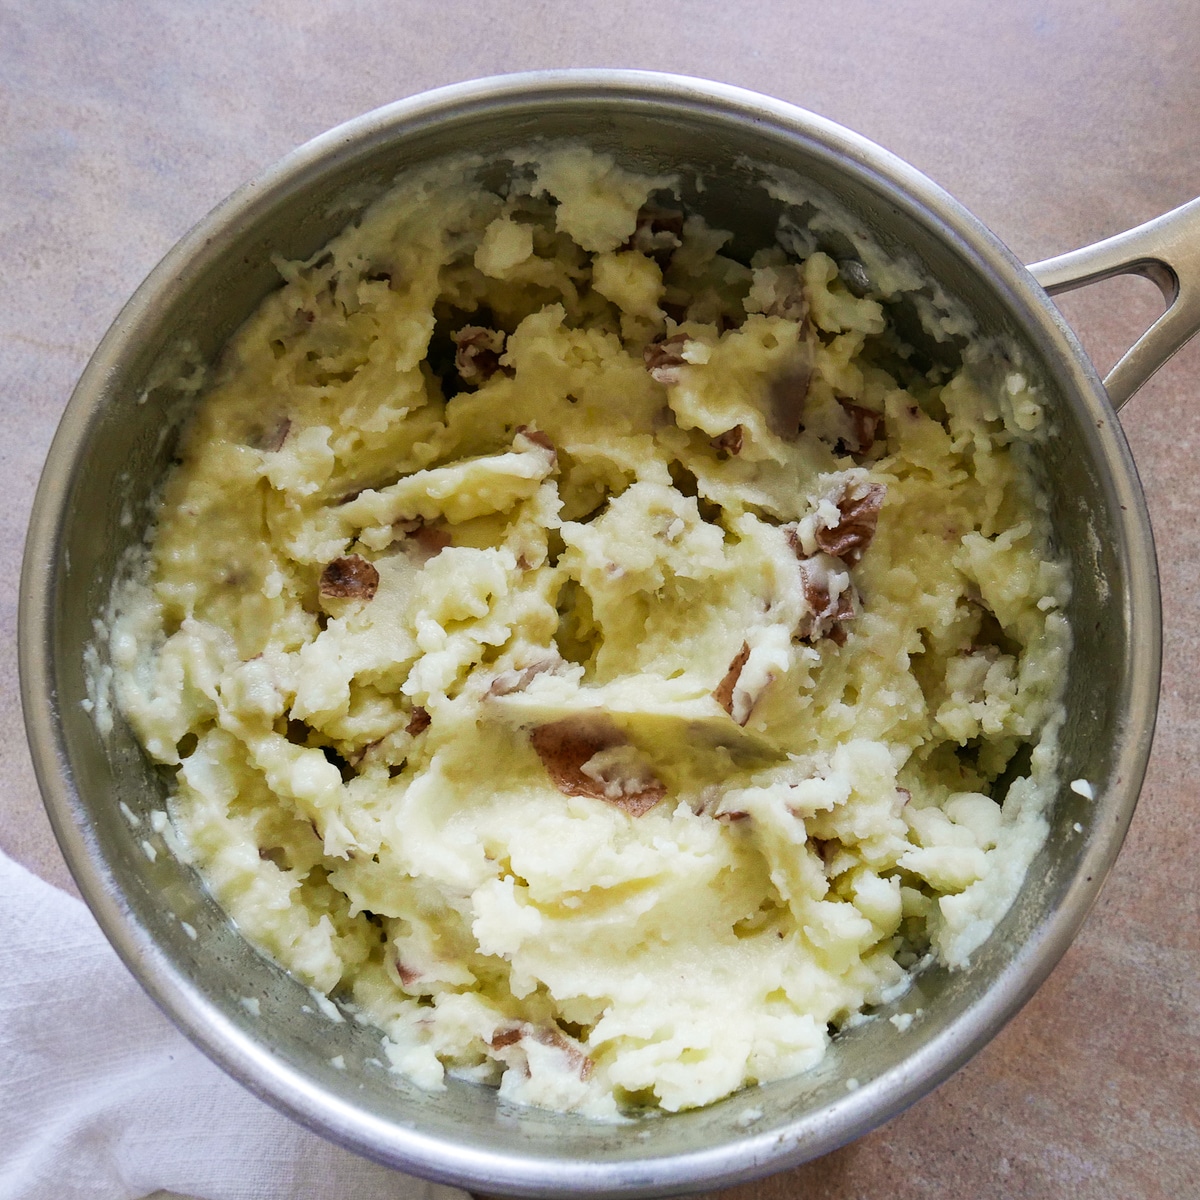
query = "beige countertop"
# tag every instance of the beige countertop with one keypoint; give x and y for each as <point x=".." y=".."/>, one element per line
<point x="1057" y="122"/>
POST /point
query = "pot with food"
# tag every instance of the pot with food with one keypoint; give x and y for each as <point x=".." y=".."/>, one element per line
<point x="605" y="637"/>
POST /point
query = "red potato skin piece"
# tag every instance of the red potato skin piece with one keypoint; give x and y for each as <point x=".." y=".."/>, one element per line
<point x="848" y="540"/>
<point x="844" y="611"/>
<point x="866" y="425"/>
<point x="431" y="539"/>
<point x="729" y="442"/>
<point x="786" y="399"/>
<point x="508" y="682"/>
<point x="271" y="440"/>
<point x="349" y="578"/>
<point x="817" y="598"/>
<point x="418" y="722"/>
<point x="663" y="358"/>
<point x="477" y="357"/>
<point x="564" y="746"/>
<point x="850" y="537"/>
<point x="538" y="438"/>
<point x="792" y="304"/>
<point x="580" y="1061"/>
<point x="723" y="693"/>
<point x="406" y="975"/>
<point x="547" y="1036"/>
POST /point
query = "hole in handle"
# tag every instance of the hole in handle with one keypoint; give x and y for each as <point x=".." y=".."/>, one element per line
<point x="1109" y="316"/>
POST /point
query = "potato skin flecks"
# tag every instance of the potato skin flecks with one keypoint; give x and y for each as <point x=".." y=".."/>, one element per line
<point x="349" y="578"/>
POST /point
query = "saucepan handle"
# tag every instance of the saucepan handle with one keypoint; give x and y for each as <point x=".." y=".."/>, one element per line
<point x="1165" y="251"/>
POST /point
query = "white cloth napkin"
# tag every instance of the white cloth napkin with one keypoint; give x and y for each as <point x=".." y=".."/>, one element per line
<point x="101" y="1098"/>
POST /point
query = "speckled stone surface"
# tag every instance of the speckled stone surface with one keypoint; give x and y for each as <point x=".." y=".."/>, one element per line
<point x="1056" y="122"/>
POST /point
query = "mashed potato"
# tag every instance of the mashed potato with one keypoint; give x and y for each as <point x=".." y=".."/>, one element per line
<point x="606" y="665"/>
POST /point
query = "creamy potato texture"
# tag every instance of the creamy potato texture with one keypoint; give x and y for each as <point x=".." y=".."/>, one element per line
<point x="593" y="657"/>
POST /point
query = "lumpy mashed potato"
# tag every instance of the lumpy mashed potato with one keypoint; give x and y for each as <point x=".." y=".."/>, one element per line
<point x="591" y="657"/>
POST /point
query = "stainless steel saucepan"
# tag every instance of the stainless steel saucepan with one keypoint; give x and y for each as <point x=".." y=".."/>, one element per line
<point x="116" y="441"/>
